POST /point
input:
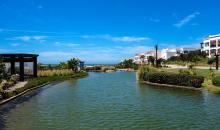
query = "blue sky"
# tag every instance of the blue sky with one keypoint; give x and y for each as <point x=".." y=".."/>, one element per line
<point x="103" y="31"/>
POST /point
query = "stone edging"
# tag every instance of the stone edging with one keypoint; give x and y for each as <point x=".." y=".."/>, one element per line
<point x="173" y="86"/>
<point x="22" y="93"/>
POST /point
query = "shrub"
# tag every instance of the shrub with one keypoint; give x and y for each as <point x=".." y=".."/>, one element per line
<point x="145" y="69"/>
<point x="188" y="71"/>
<point x="173" y="79"/>
<point x="14" y="78"/>
<point x="5" y="85"/>
<point x="216" y="81"/>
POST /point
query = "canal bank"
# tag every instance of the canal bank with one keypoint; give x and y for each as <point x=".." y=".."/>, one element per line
<point x="110" y="101"/>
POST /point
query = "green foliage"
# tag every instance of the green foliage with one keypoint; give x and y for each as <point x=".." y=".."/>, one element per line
<point x="73" y="64"/>
<point x="2" y="69"/>
<point x="194" y="56"/>
<point x="40" y="66"/>
<point x="216" y="81"/>
<point x="127" y="63"/>
<point x="40" y="81"/>
<point x="151" y="60"/>
<point x="211" y="73"/>
<point x="173" y="79"/>
<point x="188" y="72"/>
<point x="145" y="69"/>
<point x="160" y="61"/>
<point x="63" y="65"/>
<point x="211" y="61"/>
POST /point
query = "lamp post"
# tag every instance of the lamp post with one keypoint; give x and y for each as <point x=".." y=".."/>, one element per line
<point x="156" y="48"/>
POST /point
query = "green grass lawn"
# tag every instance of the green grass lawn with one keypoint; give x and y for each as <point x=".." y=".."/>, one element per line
<point x="200" y="72"/>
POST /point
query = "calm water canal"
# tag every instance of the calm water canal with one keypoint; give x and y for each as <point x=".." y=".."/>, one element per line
<point x="110" y="101"/>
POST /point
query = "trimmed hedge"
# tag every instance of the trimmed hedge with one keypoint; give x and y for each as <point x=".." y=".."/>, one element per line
<point x="216" y="81"/>
<point x="174" y="79"/>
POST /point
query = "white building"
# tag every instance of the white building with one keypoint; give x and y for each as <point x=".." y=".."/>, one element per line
<point x="211" y="45"/>
<point x="139" y="60"/>
<point x="164" y="54"/>
<point x="167" y="53"/>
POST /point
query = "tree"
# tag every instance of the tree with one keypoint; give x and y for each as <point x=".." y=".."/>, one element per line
<point x="63" y="65"/>
<point x="40" y="66"/>
<point x="2" y="69"/>
<point x="151" y="60"/>
<point x="211" y="61"/>
<point x="127" y="63"/>
<point x="73" y="64"/>
<point x="160" y="61"/>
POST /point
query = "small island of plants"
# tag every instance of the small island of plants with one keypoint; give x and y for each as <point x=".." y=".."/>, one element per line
<point x="190" y="77"/>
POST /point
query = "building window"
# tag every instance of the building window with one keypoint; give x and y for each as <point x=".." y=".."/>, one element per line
<point x="213" y="51"/>
<point x="213" y="43"/>
<point x="206" y="44"/>
<point x="219" y="43"/>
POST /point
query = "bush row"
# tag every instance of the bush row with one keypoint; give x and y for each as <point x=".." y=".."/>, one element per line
<point x="173" y="79"/>
<point x="216" y="81"/>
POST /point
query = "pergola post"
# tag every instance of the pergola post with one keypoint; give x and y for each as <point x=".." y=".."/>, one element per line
<point x="35" y="67"/>
<point x="12" y="65"/>
<point x="21" y="73"/>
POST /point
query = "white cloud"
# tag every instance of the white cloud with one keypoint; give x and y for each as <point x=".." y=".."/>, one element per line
<point x="186" y="20"/>
<point x="65" y="44"/>
<point x="39" y="37"/>
<point x="99" y="54"/>
<point x="129" y="39"/>
<point x="56" y="54"/>
<point x="15" y="44"/>
<point x="117" y="39"/>
<point x="23" y="38"/>
<point x="72" y="44"/>
<point x="154" y="20"/>
<point x="29" y="38"/>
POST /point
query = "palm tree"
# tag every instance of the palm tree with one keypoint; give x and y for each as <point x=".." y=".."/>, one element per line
<point x="73" y="64"/>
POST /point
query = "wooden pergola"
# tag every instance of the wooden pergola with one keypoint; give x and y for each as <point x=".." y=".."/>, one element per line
<point x="21" y="58"/>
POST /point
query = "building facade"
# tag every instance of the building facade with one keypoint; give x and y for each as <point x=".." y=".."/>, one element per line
<point x="211" y="45"/>
<point x="142" y="58"/>
<point x="167" y="53"/>
<point x="164" y="54"/>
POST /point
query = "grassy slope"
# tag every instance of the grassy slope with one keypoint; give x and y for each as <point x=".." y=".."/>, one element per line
<point x="43" y="80"/>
